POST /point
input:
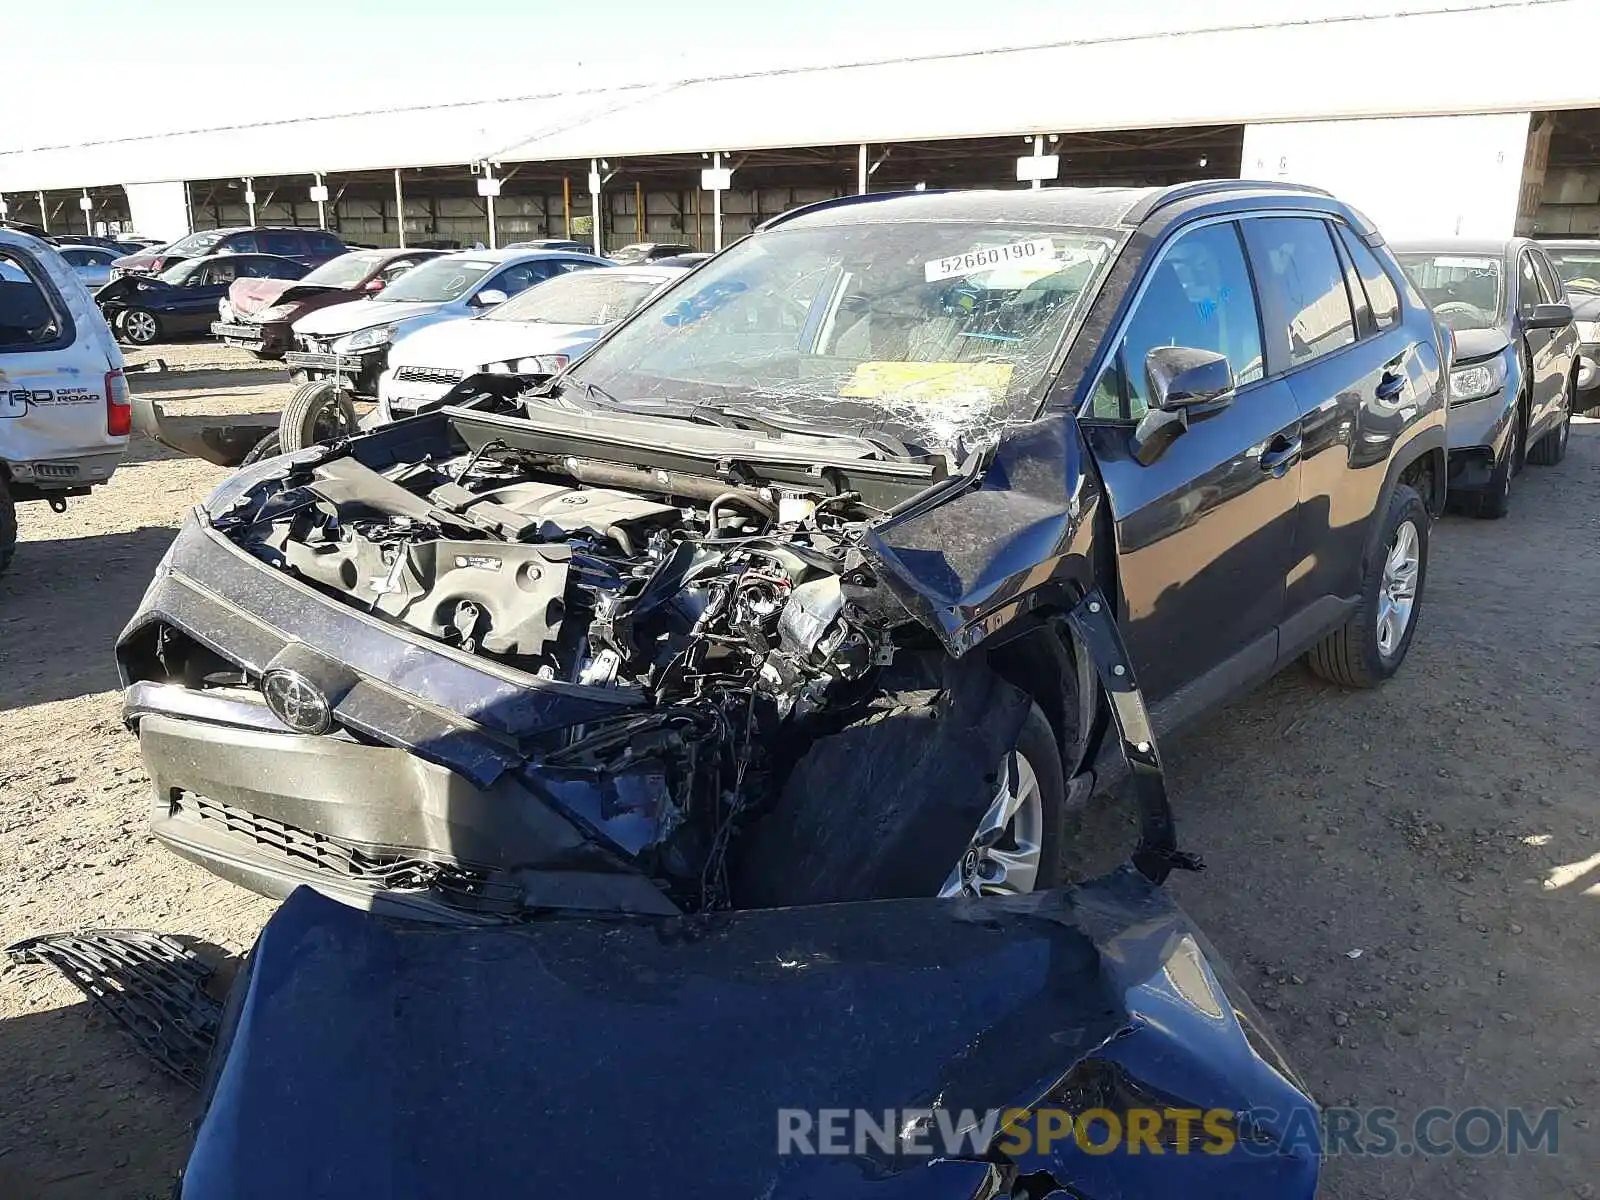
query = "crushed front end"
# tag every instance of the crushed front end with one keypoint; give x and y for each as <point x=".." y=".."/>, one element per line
<point x="460" y="667"/>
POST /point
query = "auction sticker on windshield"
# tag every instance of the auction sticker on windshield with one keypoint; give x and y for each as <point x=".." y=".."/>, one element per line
<point x="988" y="257"/>
<point x="929" y="382"/>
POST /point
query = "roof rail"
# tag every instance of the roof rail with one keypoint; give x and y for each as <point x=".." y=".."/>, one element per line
<point x="840" y="202"/>
<point x="1208" y="187"/>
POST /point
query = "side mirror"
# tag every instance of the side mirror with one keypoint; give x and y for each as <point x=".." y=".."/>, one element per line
<point x="1548" y="316"/>
<point x="488" y="298"/>
<point x="1184" y="385"/>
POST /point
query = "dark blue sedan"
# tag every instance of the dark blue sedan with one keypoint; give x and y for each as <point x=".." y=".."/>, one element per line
<point x="183" y="299"/>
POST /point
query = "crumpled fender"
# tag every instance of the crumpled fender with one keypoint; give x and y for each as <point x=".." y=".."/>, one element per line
<point x="970" y="564"/>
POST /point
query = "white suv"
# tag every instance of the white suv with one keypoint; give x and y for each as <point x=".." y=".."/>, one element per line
<point x="64" y="411"/>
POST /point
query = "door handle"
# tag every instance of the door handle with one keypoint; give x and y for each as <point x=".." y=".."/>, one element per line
<point x="1281" y="453"/>
<point x="1391" y="385"/>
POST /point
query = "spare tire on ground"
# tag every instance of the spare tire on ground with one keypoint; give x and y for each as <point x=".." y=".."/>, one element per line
<point x="318" y="411"/>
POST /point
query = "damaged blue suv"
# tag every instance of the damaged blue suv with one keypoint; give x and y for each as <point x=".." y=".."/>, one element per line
<point x="766" y="600"/>
<point x="834" y="574"/>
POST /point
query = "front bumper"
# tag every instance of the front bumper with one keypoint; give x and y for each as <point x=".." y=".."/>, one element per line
<point x="422" y="799"/>
<point x="1480" y="436"/>
<point x="358" y="372"/>
<point x="271" y="338"/>
<point x="403" y="397"/>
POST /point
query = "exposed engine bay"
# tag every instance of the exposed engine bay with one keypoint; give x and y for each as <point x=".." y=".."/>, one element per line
<point x="729" y="616"/>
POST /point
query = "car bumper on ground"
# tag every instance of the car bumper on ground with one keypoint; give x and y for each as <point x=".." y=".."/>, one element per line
<point x="1480" y="435"/>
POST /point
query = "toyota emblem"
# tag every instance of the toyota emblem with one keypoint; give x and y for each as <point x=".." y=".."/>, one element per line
<point x="296" y="701"/>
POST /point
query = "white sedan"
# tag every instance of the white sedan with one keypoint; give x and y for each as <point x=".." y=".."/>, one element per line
<point x="536" y="333"/>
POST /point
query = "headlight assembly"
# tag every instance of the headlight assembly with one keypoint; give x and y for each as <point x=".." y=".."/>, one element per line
<point x="1477" y="381"/>
<point x="538" y="364"/>
<point x="366" y="339"/>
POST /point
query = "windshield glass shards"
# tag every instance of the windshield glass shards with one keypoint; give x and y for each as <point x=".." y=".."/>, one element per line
<point x="939" y="327"/>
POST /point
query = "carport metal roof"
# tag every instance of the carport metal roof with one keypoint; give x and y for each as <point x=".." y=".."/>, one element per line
<point x="1499" y="58"/>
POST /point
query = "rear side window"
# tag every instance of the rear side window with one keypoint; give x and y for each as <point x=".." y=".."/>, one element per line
<point x="1381" y="294"/>
<point x="1294" y="256"/>
<point x="241" y="243"/>
<point x="324" y="243"/>
<point x="1555" y="291"/>
<point x="1198" y="295"/>
<point x="286" y="244"/>
<point x="1528" y="293"/>
<point x="30" y="314"/>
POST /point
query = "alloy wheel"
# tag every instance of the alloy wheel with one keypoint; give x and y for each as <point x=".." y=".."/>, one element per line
<point x="140" y="327"/>
<point x="1397" y="591"/>
<point x="1004" y="855"/>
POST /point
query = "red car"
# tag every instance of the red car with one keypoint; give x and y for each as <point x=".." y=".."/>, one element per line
<point x="257" y="313"/>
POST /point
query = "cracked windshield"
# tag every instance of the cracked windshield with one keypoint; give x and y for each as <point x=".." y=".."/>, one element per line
<point x="939" y="330"/>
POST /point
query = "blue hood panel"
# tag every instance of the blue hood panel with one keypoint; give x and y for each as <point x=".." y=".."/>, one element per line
<point x="650" y="1057"/>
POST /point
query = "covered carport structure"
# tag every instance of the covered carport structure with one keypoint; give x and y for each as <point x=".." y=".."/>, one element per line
<point x="702" y="160"/>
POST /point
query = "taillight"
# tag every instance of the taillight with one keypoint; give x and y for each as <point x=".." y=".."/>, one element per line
<point x="119" y="412"/>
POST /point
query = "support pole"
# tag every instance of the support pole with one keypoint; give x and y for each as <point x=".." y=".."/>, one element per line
<point x="88" y="214"/>
<point x="566" y="207"/>
<point x="399" y="208"/>
<point x="488" y="173"/>
<point x="250" y="200"/>
<point x="716" y="206"/>
<point x="594" y="200"/>
<point x="1038" y="152"/>
<point x="322" y="204"/>
<point x="861" y="170"/>
<point x="638" y="211"/>
<point x="44" y="214"/>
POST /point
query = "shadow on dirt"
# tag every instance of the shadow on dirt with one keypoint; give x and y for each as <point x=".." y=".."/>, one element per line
<point x="62" y="605"/>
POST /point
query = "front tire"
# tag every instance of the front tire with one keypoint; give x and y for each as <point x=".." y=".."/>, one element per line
<point x="1552" y="447"/>
<point x="1372" y="644"/>
<point x="139" y="327"/>
<point x="318" y="411"/>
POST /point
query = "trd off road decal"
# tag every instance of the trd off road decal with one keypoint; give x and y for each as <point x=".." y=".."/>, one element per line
<point x="14" y="402"/>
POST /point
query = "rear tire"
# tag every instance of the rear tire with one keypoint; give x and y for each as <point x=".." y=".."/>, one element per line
<point x="139" y="327"/>
<point x="1356" y="655"/>
<point x="8" y="526"/>
<point x="317" y="412"/>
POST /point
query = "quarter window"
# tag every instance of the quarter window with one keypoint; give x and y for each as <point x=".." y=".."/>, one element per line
<point x="1198" y="295"/>
<point x="28" y="318"/>
<point x="1381" y="294"/>
<point x="1528" y="293"/>
<point x="1295" y="256"/>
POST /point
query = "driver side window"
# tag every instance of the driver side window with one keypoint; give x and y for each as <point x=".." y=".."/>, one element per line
<point x="1528" y="293"/>
<point x="1198" y="295"/>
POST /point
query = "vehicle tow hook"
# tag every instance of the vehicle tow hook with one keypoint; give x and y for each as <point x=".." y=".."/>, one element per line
<point x="58" y="504"/>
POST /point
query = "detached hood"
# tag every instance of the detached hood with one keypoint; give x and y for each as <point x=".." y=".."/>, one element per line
<point x="476" y="342"/>
<point x="339" y="319"/>
<point x="1474" y="344"/>
<point x="653" y="1056"/>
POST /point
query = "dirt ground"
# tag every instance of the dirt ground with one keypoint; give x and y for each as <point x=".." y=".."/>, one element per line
<point x="1445" y="826"/>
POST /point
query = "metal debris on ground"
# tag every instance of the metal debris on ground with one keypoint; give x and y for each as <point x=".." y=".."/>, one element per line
<point x="150" y="984"/>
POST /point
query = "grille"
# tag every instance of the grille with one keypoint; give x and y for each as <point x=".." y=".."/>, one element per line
<point x="429" y="375"/>
<point x="464" y="886"/>
<point x="46" y="470"/>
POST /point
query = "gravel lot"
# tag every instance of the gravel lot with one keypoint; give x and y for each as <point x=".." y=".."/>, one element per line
<point x="1445" y="826"/>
